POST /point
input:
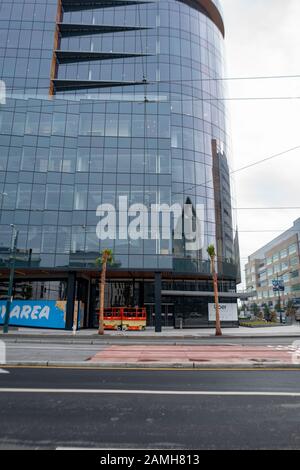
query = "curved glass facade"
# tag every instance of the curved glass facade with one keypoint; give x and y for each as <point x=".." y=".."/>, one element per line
<point x="108" y="99"/>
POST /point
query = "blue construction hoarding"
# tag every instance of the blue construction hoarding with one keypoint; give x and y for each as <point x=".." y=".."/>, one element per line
<point x="35" y="313"/>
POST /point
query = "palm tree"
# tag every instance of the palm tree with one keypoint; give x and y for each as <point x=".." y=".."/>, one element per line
<point x="212" y="254"/>
<point x="105" y="259"/>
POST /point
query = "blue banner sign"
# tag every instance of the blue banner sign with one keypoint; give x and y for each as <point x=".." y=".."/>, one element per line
<point x="35" y="313"/>
<point x="278" y="285"/>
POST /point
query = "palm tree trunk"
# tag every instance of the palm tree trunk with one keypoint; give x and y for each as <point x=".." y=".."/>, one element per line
<point x="102" y="291"/>
<point x="217" y="305"/>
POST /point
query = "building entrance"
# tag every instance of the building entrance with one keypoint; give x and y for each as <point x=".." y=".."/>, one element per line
<point x="167" y="315"/>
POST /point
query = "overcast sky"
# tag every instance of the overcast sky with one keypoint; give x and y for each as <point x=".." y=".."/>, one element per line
<point x="262" y="39"/>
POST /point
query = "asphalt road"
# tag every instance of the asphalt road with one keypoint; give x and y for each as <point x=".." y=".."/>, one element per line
<point x="50" y="408"/>
<point x="49" y="350"/>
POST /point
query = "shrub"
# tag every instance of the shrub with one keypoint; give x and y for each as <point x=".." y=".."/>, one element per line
<point x="273" y="318"/>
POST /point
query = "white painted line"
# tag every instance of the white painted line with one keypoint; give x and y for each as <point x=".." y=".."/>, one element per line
<point x="55" y="348"/>
<point x="147" y="392"/>
<point x="4" y="371"/>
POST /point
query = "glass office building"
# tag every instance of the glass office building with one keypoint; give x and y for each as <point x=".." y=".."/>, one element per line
<point x="110" y="98"/>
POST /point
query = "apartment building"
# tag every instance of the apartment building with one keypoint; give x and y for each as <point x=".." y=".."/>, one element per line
<point x="279" y="260"/>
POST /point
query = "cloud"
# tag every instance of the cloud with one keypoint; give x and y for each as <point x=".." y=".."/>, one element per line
<point x="262" y="39"/>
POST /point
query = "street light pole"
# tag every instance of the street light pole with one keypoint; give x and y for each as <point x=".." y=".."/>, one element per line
<point x="15" y="234"/>
<point x="279" y="299"/>
<point x="278" y="287"/>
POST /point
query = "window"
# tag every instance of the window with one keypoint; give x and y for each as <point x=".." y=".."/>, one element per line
<point x="49" y="239"/>
<point x="28" y="158"/>
<point x="32" y="123"/>
<point x="296" y="288"/>
<point x="85" y="124"/>
<point x="125" y="125"/>
<point x="111" y="129"/>
<point x="24" y="196"/>
<point x="98" y="124"/>
<point x="55" y="159"/>
<point x="124" y="161"/>
<point x="177" y="170"/>
<point x="38" y="197"/>
<point x="34" y="239"/>
<point x="189" y="172"/>
<point x="283" y="253"/>
<point x="96" y="160"/>
<point x="9" y="201"/>
<point x="59" y="124"/>
<point x="45" y="124"/>
<point x="69" y="160"/>
<point x="286" y="277"/>
<point x="176" y="139"/>
<point x="66" y="198"/>
<point x="188" y="138"/>
<point x="110" y="160"/>
<point x="78" y="239"/>
<point x="137" y="161"/>
<point x="294" y="261"/>
<point x="80" y="197"/>
<point x="41" y="160"/>
<point x="277" y="268"/>
<point x="83" y="157"/>
<point x="14" y="159"/>
<point x="63" y="243"/>
<point x="270" y="272"/>
<point x="94" y="197"/>
<point x="138" y="126"/>
<point x="52" y="197"/>
<point x="6" y="120"/>
<point x="18" y="124"/>
<point x="284" y="266"/>
<point x="72" y="125"/>
<point x="151" y="126"/>
<point x="292" y="249"/>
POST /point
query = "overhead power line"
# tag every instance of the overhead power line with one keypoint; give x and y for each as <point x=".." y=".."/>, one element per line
<point x="221" y="79"/>
<point x="265" y="208"/>
<point x="292" y="149"/>
<point x="268" y="231"/>
<point x="251" y="165"/>
<point x="175" y="100"/>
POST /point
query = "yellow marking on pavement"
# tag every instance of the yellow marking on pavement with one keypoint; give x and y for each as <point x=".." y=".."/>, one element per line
<point x="157" y="369"/>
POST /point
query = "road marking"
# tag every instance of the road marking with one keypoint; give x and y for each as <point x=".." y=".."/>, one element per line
<point x="110" y="368"/>
<point x="147" y="392"/>
<point x="56" y="348"/>
<point x="2" y="371"/>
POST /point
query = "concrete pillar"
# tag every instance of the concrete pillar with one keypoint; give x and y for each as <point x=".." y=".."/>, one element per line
<point x="158" y="328"/>
<point x="71" y="291"/>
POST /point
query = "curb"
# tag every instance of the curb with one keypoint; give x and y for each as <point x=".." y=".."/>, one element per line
<point x="150" y="365"/>
<point x="68" y="339"/>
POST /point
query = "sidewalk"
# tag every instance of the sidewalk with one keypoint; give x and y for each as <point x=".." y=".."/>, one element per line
<point x="242" y="332"/>
<point x="42" y="348"/>
<point x="155" y="356"/>
<point x="182" y="356"/>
